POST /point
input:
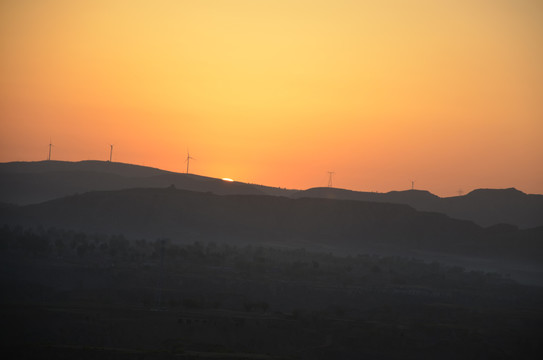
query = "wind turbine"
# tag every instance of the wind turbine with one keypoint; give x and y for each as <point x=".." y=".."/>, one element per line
<point x="110" y="152"/>
<point x="330" y="174"/>
<point x="50" y="146"/>
<point x="188" y="160"/>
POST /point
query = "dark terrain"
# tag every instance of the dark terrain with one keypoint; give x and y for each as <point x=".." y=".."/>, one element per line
<point x="72" y="295"/>
<point x="33" y="182"/>
<point x="485" y="207"/>
<point x="116" y="261"/>
<point x="339" y="226"/>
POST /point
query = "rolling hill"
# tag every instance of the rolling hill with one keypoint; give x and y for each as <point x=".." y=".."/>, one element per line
<point x="188" y="216"/>
<point x="33" y="182"/>
<point x="485" y="207"/>
<point x="25" y="183"/>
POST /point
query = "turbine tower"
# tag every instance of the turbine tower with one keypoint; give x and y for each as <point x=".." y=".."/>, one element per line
<point x="330" y="174"/>
<point x="110" y="152"/>
<point x="50" y="146"/>
<point x="188" y="160"/>
<point x="412" y="184"/>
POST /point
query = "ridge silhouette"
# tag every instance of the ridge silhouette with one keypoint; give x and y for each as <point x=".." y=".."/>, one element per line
<point x="33" y="182"/>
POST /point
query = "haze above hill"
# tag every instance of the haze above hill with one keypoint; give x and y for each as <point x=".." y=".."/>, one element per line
<point x="33" y="182"/>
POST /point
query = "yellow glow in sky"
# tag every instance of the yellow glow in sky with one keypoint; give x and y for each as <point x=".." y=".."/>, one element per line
<point x="447" y="93"/>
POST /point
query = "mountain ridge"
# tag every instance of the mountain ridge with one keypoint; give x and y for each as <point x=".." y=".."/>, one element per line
<point x="189" y="216"/>
<point x="486" y="207"/>
<point x="33" y="182"/>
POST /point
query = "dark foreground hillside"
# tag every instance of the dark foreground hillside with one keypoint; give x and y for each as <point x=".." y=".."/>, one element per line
<point x="69" y="294"/>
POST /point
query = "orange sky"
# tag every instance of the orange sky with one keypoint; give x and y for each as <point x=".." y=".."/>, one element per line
<point x="278" y="92"/>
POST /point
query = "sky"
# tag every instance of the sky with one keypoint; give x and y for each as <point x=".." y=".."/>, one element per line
<point x="448" y="94"/>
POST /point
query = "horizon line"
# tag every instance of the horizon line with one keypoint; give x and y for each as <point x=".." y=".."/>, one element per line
<point x="278" y="187"/>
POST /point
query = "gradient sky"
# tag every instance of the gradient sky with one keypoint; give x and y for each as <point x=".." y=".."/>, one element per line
<point x="447" y="93"/>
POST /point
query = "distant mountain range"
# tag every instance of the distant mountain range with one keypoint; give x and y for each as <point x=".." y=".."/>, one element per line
<point x="485" y="207"/>
<point x="141" y="202"/>
<point x="339" y="225"/>
<point x="24" y="183"/>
